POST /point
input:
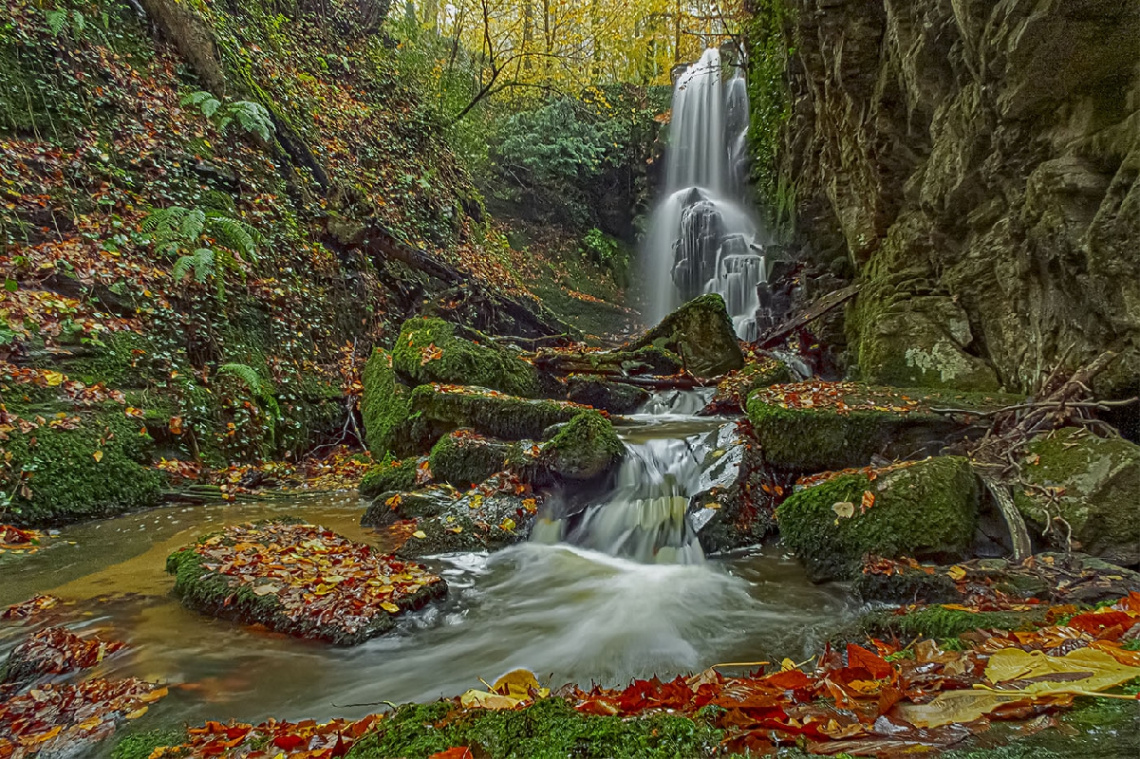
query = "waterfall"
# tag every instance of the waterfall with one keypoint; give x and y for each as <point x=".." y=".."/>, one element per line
<point x="701" y="238"/>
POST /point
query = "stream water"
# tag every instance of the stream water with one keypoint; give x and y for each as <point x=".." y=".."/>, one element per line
<point x="568" y="612"/>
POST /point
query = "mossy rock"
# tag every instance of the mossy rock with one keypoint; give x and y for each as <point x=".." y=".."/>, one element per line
<point x="100" y="468"/>
<point x="383" y="406"/>
<point x="926" y="510"/>
<point x="202" y="588"/>
<point x="701" y="333"/>
<point x="464" y="459"/>
<point x="389" y="476"/>
<point x="1097" y="492"/>
<point x="587" y="449"/>
<point x="732" y="392"/>
<point x="649" y="359"/>
<point x="428" y="350"/>
<point x="435" y="412"/>
<point x="917" y="341"/>
<point x="614" y="397"/>
<point x="873" y="420"/>
<point x="549" y="729"/>
<point x="423" y="503"/>
<point x="450" y="522"/>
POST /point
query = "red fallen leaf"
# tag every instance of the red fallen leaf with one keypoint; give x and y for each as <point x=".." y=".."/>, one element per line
<point x="1098" y="623"/>
<point x="857" y="656"/>
<point x="789" y="679"/>
<point x="289" y="742"/>
<point x="457" y="752"/>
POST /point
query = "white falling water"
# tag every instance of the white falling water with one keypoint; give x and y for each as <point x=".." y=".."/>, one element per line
<point x="702" y="239"/>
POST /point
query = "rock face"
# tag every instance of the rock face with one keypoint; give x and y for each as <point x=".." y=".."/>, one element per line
<point x="603" y="394"/>
<point x="977" y="163"/>
<point x="924" y="510"/>
<point x="701" y="333"/>
<point x="1093" y="484"/>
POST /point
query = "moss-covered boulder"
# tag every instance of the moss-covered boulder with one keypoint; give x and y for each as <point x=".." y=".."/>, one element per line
<point x="701" y="333"/>
<point x="389" y="476"/>
<point x="927" y="509"/>
<point x="383" y="406"/>
<point x="732" y="392"/>
<point x="465" y="458"/>
<point x="614" y="397"/>
<point x="646" y="360"/>
<point x="816" y="426"/>
<point x="428" y="350"/>
<point x="299" y="579"/>
<point x="584" y="450"/>
<point x="70" y="465"/>
<point x="438" y="410"/>
<point x="1091" y="483"/>
<point x="436" y="520"/>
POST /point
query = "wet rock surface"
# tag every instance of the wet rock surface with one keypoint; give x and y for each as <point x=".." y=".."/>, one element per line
<point x="701" y="333"/>
<point x="923" y="509"/>
<point x="1083" y="491"/>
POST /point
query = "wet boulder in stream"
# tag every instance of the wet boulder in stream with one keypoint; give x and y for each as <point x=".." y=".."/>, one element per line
<point x="701" y="333"/>
<point x="614" y="397"/>
<point x="925" y="509"/>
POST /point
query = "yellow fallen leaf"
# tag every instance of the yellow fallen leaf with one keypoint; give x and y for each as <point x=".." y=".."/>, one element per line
<point x="419" y="534"/>
<point x="479" y="699"/>
<point x="1054" y="674"/>
<point x="956" y="573"/>
<point x="54" y="378"/>
<point x="518" y="684"/>
<point x="98" y="456"/>
<point x="389" y="607"/>
<point x="843" y="509"/>
<point x="507" y="524"/>
<point x="138" y="712"/>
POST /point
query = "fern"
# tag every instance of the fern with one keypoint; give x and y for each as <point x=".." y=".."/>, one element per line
<point x="252" y="380"/>
<point x="202" y="261"/>
<point x="56" y="21"/>
<point x="250" y="116"/>
<point x="233" y="233"/>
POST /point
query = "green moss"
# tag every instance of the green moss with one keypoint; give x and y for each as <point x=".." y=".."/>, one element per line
<point x="822" y="438"/>
<point x="550" y="728"/>
<point x="97" y="469"/>
<point x="460" y="361"/>
<point x="701" y="333"/>
<point x="388" y="476"/>
<point x="935" y="622"/>
<point x="927" y="510"/>
<point x="585" y="449"/>
<point x="465" y="460"/>
<point x="1099" y="489"/>
<point x="383" y="405"/>
<point x="141" y="745"/>
<point x="435" y="413"/>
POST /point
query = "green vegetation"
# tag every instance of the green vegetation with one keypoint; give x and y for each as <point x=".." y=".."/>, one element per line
<point x="701" y="333"/>
<point x="551" y="728"/>
<point x="585" y="449"/>
<point x="427" y="350"/>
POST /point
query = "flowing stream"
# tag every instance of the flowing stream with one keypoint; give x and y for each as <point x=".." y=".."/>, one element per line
<point x="590" y="611"/>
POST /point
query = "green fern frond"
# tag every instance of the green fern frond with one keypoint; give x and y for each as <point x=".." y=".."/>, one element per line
<point x="252" y="117"/>
<point x="252" y="380"/>
<point x="233" y="234"/>
<point x="202" y="261"/>
<point x="192" y="224"/>
<point x="56" y="21"/>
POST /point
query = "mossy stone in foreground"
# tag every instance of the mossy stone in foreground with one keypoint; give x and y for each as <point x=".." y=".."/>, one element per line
<point x="383" y="406"/>
<point x="276" y="590"/>
<point x="927" y="510"/>
<point x="550" y="729"/>
<point x="584" y="450"/>
<point x="464" y="459"/>
<point x="701" y="333"/>
<point x="436" y="411"/>
<point x="98" y="469"/>
<point x="826" y="436"/>
<point x="1096" y="484"/>
<point x="427" y="350"/>
<point x="388" y="476"/>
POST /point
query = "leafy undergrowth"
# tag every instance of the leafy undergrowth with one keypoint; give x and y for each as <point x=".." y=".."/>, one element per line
<point x="301" y="579"/>
<point x="56" y="717"/>
<point x="882" y="700"/>
<point x="847" y="397"/>
<point x="56" y="650"/>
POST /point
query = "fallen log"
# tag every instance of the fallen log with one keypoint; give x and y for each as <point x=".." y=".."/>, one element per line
<point x="817" y="309"/>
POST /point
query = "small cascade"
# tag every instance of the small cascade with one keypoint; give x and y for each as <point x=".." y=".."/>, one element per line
<point x="702" y="239"/>
<point x="645" y="517"/>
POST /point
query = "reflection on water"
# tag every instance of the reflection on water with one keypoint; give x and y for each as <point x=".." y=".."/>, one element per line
<point x="567" y="613"/>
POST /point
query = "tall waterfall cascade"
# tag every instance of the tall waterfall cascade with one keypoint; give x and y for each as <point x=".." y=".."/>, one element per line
<point x="701" y="238"/>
